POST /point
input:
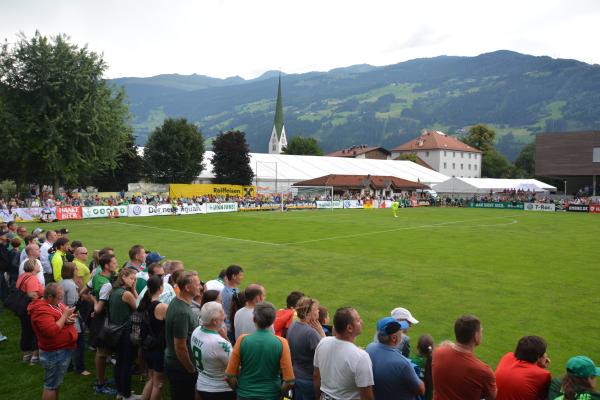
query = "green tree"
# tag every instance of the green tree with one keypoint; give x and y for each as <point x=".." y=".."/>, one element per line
<point x="65" y="122"/>
<point x="481" y="137"/>
<point x="128" y="170"/>
<point x="231" y="159"/>
<point x="408" y="157"/>
<point x="525" y="163"/>
<point x="495" y="165"/>
<point x="306" y="146"/>
<point x="174" y="152"/>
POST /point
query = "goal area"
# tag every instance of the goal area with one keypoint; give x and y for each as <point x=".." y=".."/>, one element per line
<point x="309" y="197"/>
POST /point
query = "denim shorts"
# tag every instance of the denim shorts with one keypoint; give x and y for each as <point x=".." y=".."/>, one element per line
<point x="155" y="360"/>
<point x="55" y="365"/>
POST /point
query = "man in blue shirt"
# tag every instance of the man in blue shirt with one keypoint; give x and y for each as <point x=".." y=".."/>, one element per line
<point x="393" y="374"/>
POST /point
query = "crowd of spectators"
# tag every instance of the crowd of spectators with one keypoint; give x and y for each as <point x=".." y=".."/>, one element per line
<point x="214" y="340"/>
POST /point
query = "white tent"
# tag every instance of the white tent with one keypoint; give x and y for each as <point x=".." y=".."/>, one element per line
<point x="487" y="185"/>
<point x="280" y="171"/>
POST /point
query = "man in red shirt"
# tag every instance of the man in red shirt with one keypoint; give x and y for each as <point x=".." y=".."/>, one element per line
<point x="522" y="375"/>
<point x="457" y="373"/>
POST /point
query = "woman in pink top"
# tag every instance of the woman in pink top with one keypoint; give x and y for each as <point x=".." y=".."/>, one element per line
<point x="29" y="284"/>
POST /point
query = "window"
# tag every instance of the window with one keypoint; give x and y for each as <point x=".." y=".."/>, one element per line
<point x="444" y="153"/>
<point x="445" y="166"/>
<point x="469" y="165"/>
<point x="274" y="147"/>
<point x="426" y="154"/>
<point x="475" y="156"/>
<point x="462" y="155"/>
<point x="469" y="155"/>
<point x="461" y="166"/>
<point x="596" y="155"/>
<point x="454" y="154"/>
<point x="453" y="166"/>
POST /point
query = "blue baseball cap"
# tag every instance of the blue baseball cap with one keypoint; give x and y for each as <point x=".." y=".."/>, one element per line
<point x="153" y="257"/>
<point x="390" y="325"/>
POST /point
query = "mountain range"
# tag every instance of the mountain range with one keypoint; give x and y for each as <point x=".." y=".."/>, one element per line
<point x="518" y="95"/>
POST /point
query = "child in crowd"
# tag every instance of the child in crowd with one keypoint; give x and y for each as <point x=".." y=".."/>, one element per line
<point x="324" y="321"/>
<point x="422" y="364"/>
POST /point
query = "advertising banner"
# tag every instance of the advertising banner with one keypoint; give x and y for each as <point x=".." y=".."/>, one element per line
<point x="578" y="208"/>
<point x="368" y="203"/>
<point x="48" y="214"/>
<point x="330" y="204"/>
<point x="190" y="209"/>
<point x="68" y="212"/>
<point x="540" y="207"/>
<point x="352" y="204"/>
<point x="595" y="208"/>
<point x="105" y="211"/>
<point x="221" y="207"/>
<point x="145" y="210"/>
<point x="177" y="190"/>
<point x="505" y="205"/>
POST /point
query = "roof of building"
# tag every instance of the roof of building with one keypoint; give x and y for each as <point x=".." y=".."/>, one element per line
<point x="435" y="140"/>
<point x="362" y="181"/>
<point x="487" y="185"/>
<point x="278" y="120"/>
<point x="357" y="150"/>
<point x="294" y="168"/>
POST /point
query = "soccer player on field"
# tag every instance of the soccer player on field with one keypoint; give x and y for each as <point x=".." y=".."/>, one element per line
<point x="395" y="206"/>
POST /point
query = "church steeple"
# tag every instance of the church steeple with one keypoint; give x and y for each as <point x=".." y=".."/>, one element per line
<point x="278" y="140"/>
<point x="278" y="121"/>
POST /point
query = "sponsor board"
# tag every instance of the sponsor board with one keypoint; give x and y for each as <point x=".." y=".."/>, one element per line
<point x="28" y="214"/>
<point x="352" y="204"/>
<point x="505" y="205"/>
<point x="578" y="208"/>
<point x="177" y="190"/>
<point x="330" y="204"/>
<point x="68" y="212"/>
<point x="301" y="206"/>
<point x="190" y="209"/>
<point x="539" y="207"/>
<point x="221" y="207"/>
<point x="105" y="211"/>
<point x="145" y="210"/>
<point x="595" y="208"/>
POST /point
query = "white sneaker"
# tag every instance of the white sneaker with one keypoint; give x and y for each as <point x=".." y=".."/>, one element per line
<point x="131" y="397"/>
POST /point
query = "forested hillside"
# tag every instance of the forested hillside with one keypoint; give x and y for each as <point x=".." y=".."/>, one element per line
<point x="518" y="95"/>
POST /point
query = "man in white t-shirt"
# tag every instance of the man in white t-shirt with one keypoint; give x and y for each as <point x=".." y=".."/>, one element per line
<point x="243" y="322"/>
<point x="33" y="253"/>
<point x="211" y="354"/>
<point x="51" y="237"/>
<point x="342" y="370"/>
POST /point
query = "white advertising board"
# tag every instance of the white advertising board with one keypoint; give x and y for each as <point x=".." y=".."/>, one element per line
<point x="103" y="211"/>
<point x="539" y="207"/>
<point x="330" y="204"/>
<point x="221" y="207"/>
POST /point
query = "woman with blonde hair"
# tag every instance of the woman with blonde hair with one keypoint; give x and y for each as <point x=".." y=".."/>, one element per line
<point x="303" y="337"/>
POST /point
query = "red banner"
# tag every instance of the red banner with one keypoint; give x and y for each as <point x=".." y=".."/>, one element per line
<point x="595" y="208"/>
<point x="71" y="212"/>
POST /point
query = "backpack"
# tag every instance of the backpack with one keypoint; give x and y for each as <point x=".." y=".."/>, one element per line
<point x="140" y="326"/>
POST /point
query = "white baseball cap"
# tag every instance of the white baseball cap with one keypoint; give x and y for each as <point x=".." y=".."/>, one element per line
<point x="403" y="313"/>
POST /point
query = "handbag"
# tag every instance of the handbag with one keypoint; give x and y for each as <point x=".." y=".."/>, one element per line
<point x="110" y="334"/>
<point x="17" y="301"/>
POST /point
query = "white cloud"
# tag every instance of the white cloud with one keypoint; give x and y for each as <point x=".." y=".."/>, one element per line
<point x="241" y="37"/>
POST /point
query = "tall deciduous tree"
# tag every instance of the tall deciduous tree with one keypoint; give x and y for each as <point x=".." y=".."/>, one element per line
<point x="67" y="123"/>
<point x="231" y="159"/>
<point x="525" y="163"/>
<point x="174" y="152"/>
<point x="481" y="137"/>
<point x="303" y="146"/>
<point x="129" y="169"/>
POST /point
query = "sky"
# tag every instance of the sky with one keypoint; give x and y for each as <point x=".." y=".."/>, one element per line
<point x="222" y="38"/>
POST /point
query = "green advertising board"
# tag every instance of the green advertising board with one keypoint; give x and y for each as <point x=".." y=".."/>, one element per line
<point x="497" y="204"/>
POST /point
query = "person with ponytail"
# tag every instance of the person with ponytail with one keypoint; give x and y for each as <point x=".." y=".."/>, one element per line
<point x="153" y="347"/>
<point x="423" y="362"/>
<point x="580" y="381"/>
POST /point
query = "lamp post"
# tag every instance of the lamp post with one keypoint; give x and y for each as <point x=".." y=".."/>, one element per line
<point x="565" y="188"/>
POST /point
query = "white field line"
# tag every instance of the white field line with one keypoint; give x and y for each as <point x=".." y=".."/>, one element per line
<point x="197" y="233"/>
<point x="440" y="225"/>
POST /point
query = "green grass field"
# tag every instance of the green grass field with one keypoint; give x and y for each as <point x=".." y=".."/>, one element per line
<point x="521" y="272"/>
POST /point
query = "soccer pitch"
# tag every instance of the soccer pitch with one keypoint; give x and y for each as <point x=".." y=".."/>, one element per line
<point x="522" y="273"/>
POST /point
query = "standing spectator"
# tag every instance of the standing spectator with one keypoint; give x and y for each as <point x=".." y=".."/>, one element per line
<point x="29" y="284"/>
<point x="212" y="295"/>
<point x="154" y="269"/>
<point x="580" y="381"/>
<point x="285" y="316"/>
<point x="259" y="358"/>
<point x="60" y="256"/>
<point x="522" y="375"/>
<point x="4" y="264"/>
<point x="180" y="323"/>
<point x="71" y="297"/>
<point x="342" y="370"/>
<point x="235" y="275"/>
<point x="324" y="321"/>
<point x="12" y="230"/>
<point x="137" y="258"/>
<point x="53" y="325"/>
<point x="32" y="251"/>
<point x="423" y="362"/>
<point x="303" y="337"/>
<point x="402" y="314"/>
<point x="121" y="303"/>
<point x="100" y="287"/>
<point x="82" y="272"/>
<point x="153" y="348"/>
<point x="243" y="321"/>
<point x="457" y="373"/>
<point x="44" y="256"/>
<point x="211" y="354"/>
<point x="14" y="255"/>
<point x="393" y="374"/>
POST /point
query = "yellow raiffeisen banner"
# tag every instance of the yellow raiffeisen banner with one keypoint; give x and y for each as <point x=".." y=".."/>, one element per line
<point x="183" y="190"/>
